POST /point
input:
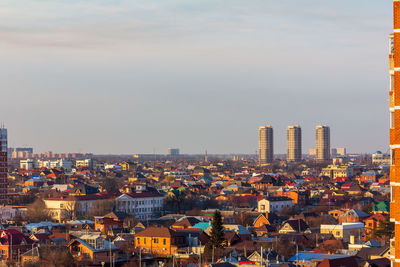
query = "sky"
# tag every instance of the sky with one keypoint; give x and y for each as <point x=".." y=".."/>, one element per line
<point x="138" y="76"/>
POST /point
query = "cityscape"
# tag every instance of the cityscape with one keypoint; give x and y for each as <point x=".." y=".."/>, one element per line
<point x="307" y="195"/>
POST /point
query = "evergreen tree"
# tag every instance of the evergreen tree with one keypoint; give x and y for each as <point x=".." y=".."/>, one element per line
<point x="217" y="231"/>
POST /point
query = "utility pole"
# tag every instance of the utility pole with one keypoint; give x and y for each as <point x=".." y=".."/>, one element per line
<point x="110" y="250"/>
<point x="212" y="261"/>
<point x="262" y="256"/>
<point x="200" y="255"/>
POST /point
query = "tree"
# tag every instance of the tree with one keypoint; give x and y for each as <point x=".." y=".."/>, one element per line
<point x="70" y="210"/>
<point x="217" y="232"/>
<point x="385" y="229"/>
<point x="100" y="208"/>
<point x="110" y="184"/>
<point x="53" y="256"/>
<point x="37" y="212"/>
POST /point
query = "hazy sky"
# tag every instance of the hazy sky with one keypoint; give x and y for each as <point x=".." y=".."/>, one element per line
<point x="129" y="76"/>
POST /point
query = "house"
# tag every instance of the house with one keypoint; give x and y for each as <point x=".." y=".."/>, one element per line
<point x="311" y="259"/>
<point x="344" y="230"/>
<point x="269" y="256"/>
<point x="336" y="213"/>
<point x="373" y="222"/>
<point x="274" y="204"/>
<point x="32" y="256"/>
<point x="92" y="248"/>
<point x="158" y="240"/>
<point x="109" y="221"/>
<point x="299" y="197"/>
<point x="260" y="221"/>
<point x="353" y="215"/>
<point x="294" y="226"/>
<point x="185" y="223"/>
<point x="13" y="242"/>
<point x="230" y="238"/>
<point x="342" y="262"/>
<point x="264" y="230"/>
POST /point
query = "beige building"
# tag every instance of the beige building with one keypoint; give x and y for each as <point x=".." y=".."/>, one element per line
<point x="344" y="231"/>
<point x="274" y="204"/>
<point x="293" y="143"/>
<point x="66" y="208"/>
<point x="322" y="143"/>
<point x="266" y="144"/>
<point x="334" y="171"/>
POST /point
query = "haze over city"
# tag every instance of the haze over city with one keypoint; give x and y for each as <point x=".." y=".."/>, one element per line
<point x="138" y="76"/>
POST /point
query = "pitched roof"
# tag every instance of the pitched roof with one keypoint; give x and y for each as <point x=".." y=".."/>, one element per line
<point x="186" y="222"/>
<point x="156" y="232"/>
<point x="341" y="262"/>
<point x="298" y="225"/>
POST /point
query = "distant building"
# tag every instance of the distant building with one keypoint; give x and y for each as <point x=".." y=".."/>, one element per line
<point x="334" y="171"/>
<point x="381" y="159"/>
<point x="312" y="152"/>
<point x="293" y="143"/>
<point x="266" y="144"/>
<point x="341" y="151"/>
<point x="26" y="164"/>
<point x="21" y="152"/>
<point x="173" y="152"/>
<point x="84" y="163"/>
<point x="3" y="165"/>
<point x="322" y="143"/>
<point x="51" y="164"/>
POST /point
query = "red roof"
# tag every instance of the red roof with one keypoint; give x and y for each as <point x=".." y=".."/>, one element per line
<point x="14" y="237"/>
<point x="143" y="194"/>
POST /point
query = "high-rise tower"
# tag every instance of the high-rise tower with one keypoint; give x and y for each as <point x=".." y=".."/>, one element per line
<point x="266" y="144"/>
<point x="394" y="106"/>
<point x="293" y="143"/>
<point x="322" y="143"/>
<point x="3" y="166"/>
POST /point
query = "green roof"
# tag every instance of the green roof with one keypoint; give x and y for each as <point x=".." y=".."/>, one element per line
<point x="381" y="206"/>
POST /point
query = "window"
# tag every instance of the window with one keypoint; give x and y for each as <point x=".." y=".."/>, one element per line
<point x="144" y="241"/>
<point x="138" y="241"/>
<point x="391" y="119"/>
<point x="164" y="241"/>
<point x="155" y="240"/>
<point x="337" y="233"/>
<point x="392" y="155"/>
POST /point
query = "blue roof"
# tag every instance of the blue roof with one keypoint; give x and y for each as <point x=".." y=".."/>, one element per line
<point x="308" y="256"/>
<point x="202" y="225"/>
<point x="49" y="225"/>
<point x="81" y="222"/>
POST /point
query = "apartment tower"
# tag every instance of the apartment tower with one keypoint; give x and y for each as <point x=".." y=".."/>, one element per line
<point x="3" y="166"/>
<point x="293" y="143"/>
<point x="394" y="108"/>
<point x="322" y="143"/>
<point x="266" y="144"/>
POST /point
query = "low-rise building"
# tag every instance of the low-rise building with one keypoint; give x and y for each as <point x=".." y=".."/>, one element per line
<point x="158" y="241"/>
<point x="274" y="204"/>
<point x="143" y="205"/>
<point x="344" y="231"/>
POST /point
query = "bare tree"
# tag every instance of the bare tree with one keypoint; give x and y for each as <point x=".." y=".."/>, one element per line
<point x="70" y="209"/>
<point x="37" y="212"/>
<point x="100" y="208"/>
